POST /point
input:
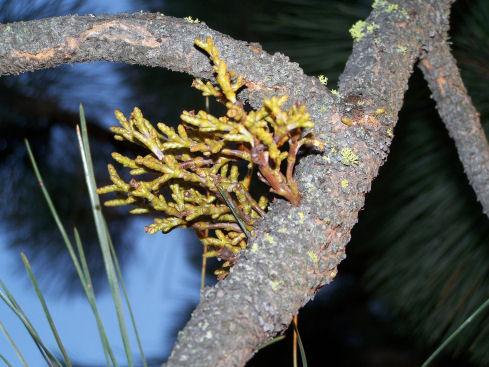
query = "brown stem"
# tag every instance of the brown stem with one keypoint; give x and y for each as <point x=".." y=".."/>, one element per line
<point x="229" y="226"/>
<point x="237" y="153"/>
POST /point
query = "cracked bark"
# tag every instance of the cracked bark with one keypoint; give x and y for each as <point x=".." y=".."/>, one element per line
<point x="296" y="250"/>
<point x="459" y="116"/>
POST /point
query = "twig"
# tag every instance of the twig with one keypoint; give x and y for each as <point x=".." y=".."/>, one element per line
<point x="460" y="117"/>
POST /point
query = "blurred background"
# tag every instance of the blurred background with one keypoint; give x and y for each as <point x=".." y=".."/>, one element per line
<point x="416" y="268"/>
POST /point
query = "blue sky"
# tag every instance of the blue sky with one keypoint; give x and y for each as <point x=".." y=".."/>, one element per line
<point x="160" y="281"/>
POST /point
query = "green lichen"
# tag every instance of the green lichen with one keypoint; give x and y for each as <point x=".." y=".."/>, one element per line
<point x="191" y="20"/>
<point x="323" y="79"/>
<point x="388" y="7"/>
<point x="254" y="247"/>
<point x="269" y="238"/>
<point x="276" y="284"/>
<point x="314" y="257"/>
<point x="335" y="92"/>
<point x="389" y="132"/>
<point x="403" y="49"/>
<point x="344" y="183"/>
<point x="378" y="3"/>
<point x="348" y="157"/>
<point x="371" y="27"/>
<point x="356" y="30"/>
<point x="301" y="217"/>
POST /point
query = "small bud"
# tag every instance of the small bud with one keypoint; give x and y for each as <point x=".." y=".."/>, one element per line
<point x="346" y="120"/>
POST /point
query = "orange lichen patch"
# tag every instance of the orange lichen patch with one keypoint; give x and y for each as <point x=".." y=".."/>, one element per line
<point x="253" y="87"/>
<point x="426" y="64"/>
<point x="43" y="55"/>
<point x="115" y="31"/>
<point x="441" y="81"/>
<point x="338" y="125"/>
<point x="370" y="119"/>
<point x="256" y="49"/>
<point x="111" y="31"/>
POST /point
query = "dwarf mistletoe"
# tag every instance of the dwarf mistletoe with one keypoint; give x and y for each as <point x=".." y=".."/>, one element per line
<point x="193" y="175"/>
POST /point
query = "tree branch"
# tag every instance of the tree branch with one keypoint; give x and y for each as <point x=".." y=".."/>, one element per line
<point x="459" y="116"/>
<point x="152" y="40"/>
<point x="296" y="250"/>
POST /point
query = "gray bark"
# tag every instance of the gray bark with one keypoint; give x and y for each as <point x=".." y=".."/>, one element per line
<point x="296" y="250"/>
<point x="459" y="116"/>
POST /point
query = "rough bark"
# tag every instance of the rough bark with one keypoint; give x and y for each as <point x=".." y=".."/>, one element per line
<point x="459" y="116"/>
<point x="296" y="249"/>
<point x="152" y="40"/>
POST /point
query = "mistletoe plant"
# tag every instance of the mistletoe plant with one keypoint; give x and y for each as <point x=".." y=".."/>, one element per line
<point x="192" y="175"/>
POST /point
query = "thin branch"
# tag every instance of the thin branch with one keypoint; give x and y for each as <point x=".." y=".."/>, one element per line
<point x="147" y="39"/>
<point x="459" y="116"/>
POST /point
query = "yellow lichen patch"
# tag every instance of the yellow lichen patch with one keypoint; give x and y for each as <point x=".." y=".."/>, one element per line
<point x="379" y="111"/>
<point x="344" y="183"/>
<point x="254" y="247"/>
<point x="402" y="49"/>
<point x="301" y="217"/>
<point x="356" y="30"/>
<point x="323" y="79"/>
<point x="191" y="20"/>
<point x="371" y="27"/>
<point x="269" y="238"/>
<point x="388" y="7"/>
<point x="276" y="284"/>
<point x="348" y="157"/>
<point x="314" y="257"/>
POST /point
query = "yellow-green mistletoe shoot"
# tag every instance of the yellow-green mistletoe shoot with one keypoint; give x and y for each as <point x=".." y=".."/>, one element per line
<point x="192" y="175"/>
